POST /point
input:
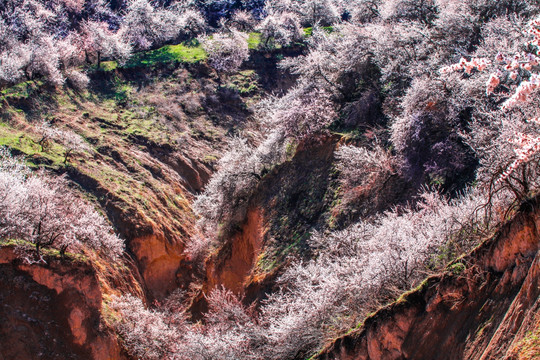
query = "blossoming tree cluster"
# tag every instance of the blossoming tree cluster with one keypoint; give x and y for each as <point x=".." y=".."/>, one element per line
<point x="45" y="212"/>
<point x="53" y="39"/>
<point x="438" y="124"/>
<point x="517" y="74"/>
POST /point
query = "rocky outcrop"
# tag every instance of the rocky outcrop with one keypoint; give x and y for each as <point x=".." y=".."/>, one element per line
<point x="52" y="311"/>
<point x="483" y="307"/>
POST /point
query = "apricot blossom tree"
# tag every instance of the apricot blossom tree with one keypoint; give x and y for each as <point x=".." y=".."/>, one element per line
<point x="44" y="211"/>
<point x="146" y="25"/>
<point x="310" y="12"/>
<point x="360" y="166"/>
<point x="280" y="29"/>
<point x="517" y="72"/>
<point x="302" y="112"/>
<point x="72" y="142"/>
<point x="226" y="51"/>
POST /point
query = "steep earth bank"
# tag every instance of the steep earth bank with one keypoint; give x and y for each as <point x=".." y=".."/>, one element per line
<point x="287" y="202"/>
<point x="485" y="306"/>
<point x="55" y="310"/>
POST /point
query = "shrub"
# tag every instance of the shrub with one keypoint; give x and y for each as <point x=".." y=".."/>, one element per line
<point x="432" y="151"/>
<point x="302" y="112"/>
<point x="230" y="331"/>
<point x="224" y="202"/>
<point x="507" y="141"/>
<point x="71" y="141"/>
<point x="145" y="25"/>
<point x="427" y="137"/>
<point x="145" y="333"/>
<point x="311" y="12"/>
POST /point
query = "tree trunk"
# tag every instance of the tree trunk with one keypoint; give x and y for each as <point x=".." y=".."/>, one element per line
<point x="63" y="251"/>
<point x="66" y="156"/>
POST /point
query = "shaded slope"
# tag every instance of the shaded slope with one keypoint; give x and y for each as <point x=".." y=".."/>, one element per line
<point x="287" y="203"/>
<point x="292" y="200"/>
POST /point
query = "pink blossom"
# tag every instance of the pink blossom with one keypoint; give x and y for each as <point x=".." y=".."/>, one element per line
<point x="476" y="63"/>
<point x="492" y="83"/>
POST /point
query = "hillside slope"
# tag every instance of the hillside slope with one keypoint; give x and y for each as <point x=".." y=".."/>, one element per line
<point x="269" y="179"/>
<point x="148" y="155"/>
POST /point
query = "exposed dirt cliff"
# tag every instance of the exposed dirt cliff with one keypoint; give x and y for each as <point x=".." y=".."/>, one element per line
<point x="55" y="310"/>
<point x="244" y="248"/>
<point x="484" y="307"/>
<point x="155" y="136"/>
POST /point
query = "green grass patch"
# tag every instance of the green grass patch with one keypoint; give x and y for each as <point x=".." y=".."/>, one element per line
<point x="18" y="140"/>
<point x="185" y="53"/>
<point x="359" y="324"/>
<point x="123" y="92"/>
<point x="245" y="82"/>
<point x="274" y="257"/>
<point x="265" y="263"/>
<point x="457" y="268"/>
<point x="24" y="143"/>
<point x="308" y="31"/>
<point x="21" y="90"/>
<point x="210" y="159"/>
<point x="347" y="134"/>
<point x="529" y="347"/>
<point x="109" y="65"/>
<point x="254" y="40"/>
<point x="46" y="252"/>
<point x="109" y="316"/>
<point x="403" y="297"/>
<point x="168" y="53"/>
<point x="15" y="242"/>
<point x="147" y="128"/>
